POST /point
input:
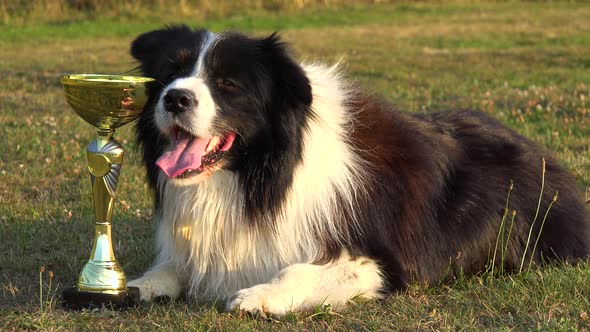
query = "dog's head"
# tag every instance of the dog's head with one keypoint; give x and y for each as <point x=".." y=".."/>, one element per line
<point x="224" y="101"/>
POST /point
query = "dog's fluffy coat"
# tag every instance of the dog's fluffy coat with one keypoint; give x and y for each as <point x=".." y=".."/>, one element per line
<point x="327" y="193"/>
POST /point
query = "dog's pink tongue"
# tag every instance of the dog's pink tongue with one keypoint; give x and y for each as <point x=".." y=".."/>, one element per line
<point x="185" y="155"/>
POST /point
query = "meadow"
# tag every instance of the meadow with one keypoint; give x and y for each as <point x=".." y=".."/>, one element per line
<point x="526" y="63"/>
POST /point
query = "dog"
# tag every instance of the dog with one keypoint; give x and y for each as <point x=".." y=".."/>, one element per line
<point x="281" y="186"/>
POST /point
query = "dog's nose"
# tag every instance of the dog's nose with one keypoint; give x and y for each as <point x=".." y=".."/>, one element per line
<point x="179" y="100"/>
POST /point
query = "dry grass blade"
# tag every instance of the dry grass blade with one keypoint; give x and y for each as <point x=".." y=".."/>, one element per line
<point x="535" y="219"/>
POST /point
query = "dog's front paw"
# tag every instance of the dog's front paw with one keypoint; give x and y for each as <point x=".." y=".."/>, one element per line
<point x="260" y="300"/>
<point x="155" y="289"/>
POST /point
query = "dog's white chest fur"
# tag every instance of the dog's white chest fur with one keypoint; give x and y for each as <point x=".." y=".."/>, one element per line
<point x="203" y="229"/>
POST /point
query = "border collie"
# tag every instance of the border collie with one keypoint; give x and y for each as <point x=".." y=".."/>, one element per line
<point x="280" y="186"/>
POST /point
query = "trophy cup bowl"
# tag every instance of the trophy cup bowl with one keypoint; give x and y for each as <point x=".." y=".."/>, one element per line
<point x="107" y="102"/>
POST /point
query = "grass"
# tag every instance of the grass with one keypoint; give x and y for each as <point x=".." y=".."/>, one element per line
<point x="525" y="63"/>
<point x="501" y="238"/>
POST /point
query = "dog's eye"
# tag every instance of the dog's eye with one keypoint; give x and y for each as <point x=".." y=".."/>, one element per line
<point x="229" y="84"/>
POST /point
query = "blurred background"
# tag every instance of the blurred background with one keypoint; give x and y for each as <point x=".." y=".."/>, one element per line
<point x="65" y="11"/>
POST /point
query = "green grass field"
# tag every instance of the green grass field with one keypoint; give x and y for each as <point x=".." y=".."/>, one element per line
<point x="528" y="64"/>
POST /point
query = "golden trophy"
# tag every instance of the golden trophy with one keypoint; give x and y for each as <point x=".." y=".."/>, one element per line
<point x="106" y="102"/>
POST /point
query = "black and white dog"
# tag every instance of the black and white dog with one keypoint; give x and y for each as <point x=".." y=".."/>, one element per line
<point x="280" y="186"/>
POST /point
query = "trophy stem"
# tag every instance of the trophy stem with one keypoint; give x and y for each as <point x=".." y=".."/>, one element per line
<point x="102" y="273"/>
<point x="102" y="280"/>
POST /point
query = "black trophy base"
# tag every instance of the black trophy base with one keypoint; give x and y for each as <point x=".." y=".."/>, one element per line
<point x="74" y="299"/>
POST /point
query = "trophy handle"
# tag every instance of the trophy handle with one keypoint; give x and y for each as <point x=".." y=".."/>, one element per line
<point x="102" y="273"/>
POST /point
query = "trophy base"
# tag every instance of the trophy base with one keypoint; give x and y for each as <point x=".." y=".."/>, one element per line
<point x="74" y="299"/>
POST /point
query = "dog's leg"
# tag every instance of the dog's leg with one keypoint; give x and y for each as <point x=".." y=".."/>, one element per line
<point x="301" y="287"/>
<point x="162" y="280"/>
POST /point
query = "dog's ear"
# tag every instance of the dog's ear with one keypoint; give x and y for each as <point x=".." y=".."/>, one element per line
<point x="287" y="110"/>
<point x="152" y="47"/>
<point x="287" y="74"/>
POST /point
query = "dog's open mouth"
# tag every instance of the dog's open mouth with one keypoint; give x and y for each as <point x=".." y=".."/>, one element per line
<point x="191" y="155"/>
